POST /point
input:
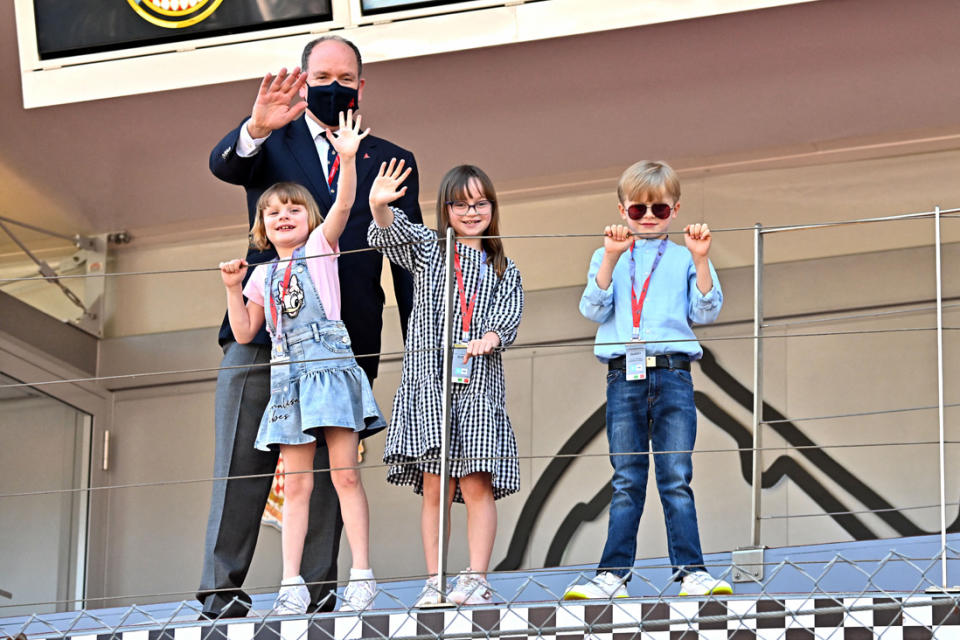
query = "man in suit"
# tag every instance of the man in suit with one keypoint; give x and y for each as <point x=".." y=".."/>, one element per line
<point x="284" y="142"/>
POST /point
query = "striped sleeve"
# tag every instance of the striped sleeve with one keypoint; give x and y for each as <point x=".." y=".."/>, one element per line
<point x="506" y="307"/>
<point x="404" y="243"/>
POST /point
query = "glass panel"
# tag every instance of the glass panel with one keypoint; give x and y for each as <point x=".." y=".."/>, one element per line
<point x="45" y="448"/>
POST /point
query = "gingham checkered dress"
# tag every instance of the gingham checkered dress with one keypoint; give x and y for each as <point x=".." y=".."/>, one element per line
<point x="481" y="436"/>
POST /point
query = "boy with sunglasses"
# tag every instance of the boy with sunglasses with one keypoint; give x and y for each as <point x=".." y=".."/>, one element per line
<point x="646" y="292"/>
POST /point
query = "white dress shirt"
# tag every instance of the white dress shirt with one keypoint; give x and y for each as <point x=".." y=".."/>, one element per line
<point x="248" y="146"/>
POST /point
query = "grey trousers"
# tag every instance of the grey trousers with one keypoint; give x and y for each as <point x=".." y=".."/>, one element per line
<point x="236" y="506"/>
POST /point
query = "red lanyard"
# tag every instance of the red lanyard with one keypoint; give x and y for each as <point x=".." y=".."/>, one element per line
<point x="637" y="303"/>
<point x="283" y="292"/>
<point x="466" y="309"/>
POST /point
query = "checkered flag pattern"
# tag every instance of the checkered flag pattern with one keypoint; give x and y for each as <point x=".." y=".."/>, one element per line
<point x="528" y="606"/>
<point x="730" y="618"/>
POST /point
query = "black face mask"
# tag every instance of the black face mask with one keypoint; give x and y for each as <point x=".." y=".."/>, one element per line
<point x="327" y="101"/>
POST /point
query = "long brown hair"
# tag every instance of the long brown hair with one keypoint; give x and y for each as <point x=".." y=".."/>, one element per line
<point x="456" y="186"/>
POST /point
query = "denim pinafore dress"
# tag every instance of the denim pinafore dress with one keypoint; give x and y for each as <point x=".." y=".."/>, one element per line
<point x="321" y="384"/>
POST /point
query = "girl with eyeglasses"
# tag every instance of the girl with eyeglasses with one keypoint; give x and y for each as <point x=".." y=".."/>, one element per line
<point x="487" y="309"/>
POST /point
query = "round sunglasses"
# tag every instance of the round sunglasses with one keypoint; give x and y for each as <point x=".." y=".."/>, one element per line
<point x="661" y="210"/>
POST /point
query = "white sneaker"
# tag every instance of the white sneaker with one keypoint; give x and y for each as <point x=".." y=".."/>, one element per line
<point x="293" y="598"/>
<point x="358" y="595"/>
<point x="430" y="594"/>
<point x="603" y="586"/>
<point x="471" y="588"/>
<point x="701" y="583"/>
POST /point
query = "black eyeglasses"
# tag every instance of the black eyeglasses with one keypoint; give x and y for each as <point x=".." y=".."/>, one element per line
<point x="461" y="208"/>
<point x="661" y="210"/>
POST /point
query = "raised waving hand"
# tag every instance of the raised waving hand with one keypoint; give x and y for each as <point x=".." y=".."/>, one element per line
<point x="272" y="108"/>
<point x="346" y="140"/>
<point x="385" y="189"/>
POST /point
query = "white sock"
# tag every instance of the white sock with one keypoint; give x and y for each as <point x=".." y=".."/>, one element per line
<point x="286" y="582"/>
<point x="361" y="574"/>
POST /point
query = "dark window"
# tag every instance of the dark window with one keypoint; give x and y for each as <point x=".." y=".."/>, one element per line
<point x="67" y="27"/>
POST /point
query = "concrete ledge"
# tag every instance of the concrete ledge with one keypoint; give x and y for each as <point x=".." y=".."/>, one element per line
<point x="36" y="330"/>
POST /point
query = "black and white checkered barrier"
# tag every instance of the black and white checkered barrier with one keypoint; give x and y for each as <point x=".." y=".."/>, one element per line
<point x="736" y="618"/>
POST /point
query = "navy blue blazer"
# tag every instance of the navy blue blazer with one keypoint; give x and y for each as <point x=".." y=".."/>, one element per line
<point x="289" y="154"/>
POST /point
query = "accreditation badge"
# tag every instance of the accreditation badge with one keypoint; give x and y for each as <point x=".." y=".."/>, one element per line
<point x="460" y="371"/>
<point x="279" y="362"/>
<point x="278" y="353"/>
<point x="636" y="361"/>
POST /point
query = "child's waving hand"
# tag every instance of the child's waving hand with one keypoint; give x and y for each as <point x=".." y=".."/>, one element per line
<point x="347" y="139"/>
<point x="233" y="272"/>
<point x="697" y="237"/>
<point x="386" y="188"/>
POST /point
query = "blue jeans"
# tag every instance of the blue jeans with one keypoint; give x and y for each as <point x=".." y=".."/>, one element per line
<point x="658" y="411"/>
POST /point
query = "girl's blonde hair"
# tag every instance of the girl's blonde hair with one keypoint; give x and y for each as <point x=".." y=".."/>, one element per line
<point x="286" y="193"/>
<point x="456" y="186"/>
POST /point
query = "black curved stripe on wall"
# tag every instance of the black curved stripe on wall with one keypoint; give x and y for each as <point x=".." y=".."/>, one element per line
<point x="595" y="424"/>
<point x="580" y="513"/>
<point x="545" y="484"/>
<point x="782" y="467"/>
<point x="819" y="458"/>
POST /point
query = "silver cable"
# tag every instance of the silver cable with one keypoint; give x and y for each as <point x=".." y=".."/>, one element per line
<point x="908" y="216"/>
<point x="320" y="255"/>
<point x="858" y="414"/>
<point x="71" y="239"/>
<point x="534" y="345"/>
<point x="158" y="272"/>
<point x="795" y="227"/>
<point x="405" y="463"/>
<point x="856" y="316"/>
<point x="858" y="512"/>
<point x="267" y="588"/>
<point x="171" y="372"/>
<point x="841" y="223"/>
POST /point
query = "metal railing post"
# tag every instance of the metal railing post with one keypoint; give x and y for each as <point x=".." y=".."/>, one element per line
<point x="943" y="495"/>
<point x="757" y="382"/>
<point x="748" y="563"/>
<point x="445" y="414"/>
